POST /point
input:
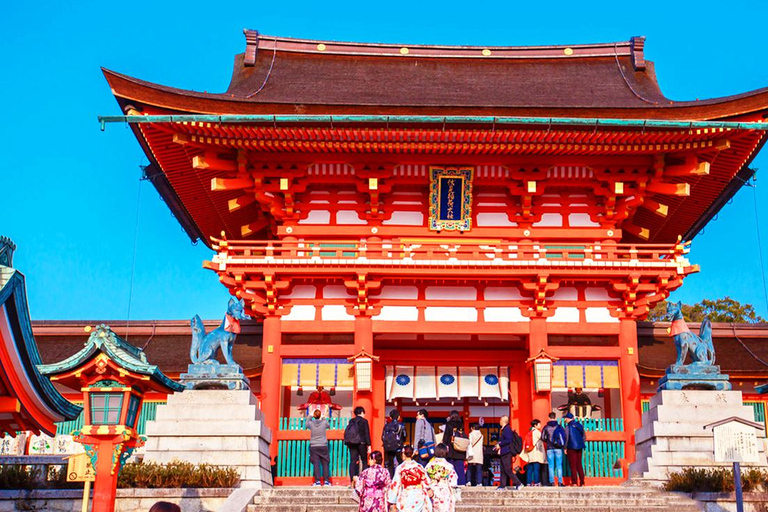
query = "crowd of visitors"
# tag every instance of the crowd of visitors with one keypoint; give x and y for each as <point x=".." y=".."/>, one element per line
<point x="428" y="474"/>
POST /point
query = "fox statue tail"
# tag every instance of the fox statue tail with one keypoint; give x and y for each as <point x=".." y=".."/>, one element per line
<point x="705" y="333"/>
<point x="198" y="335"/>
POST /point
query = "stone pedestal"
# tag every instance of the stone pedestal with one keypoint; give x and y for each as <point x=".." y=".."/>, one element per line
<point x="695" y="376"/>
<point x="214" y="375"/>
<point x="218" y="427"/>
<point x="673" y="436"/>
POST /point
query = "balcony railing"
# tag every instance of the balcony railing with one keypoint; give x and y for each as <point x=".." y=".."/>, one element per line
<point x="474" y="253"/>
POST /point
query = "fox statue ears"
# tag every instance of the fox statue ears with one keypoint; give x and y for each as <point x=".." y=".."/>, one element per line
<point x="231" y="303"/>
<point x="680" y="304"/>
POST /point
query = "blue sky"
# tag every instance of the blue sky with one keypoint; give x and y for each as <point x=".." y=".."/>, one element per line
<point x="72" y="193"/>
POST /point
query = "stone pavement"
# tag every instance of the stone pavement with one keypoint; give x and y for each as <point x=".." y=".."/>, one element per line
<point x="486" y="499"/>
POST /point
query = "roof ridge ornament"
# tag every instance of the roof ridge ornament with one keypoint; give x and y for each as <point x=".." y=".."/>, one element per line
<point x="637" y="46"/>
<point x="251" y="47"/>
<point x="6" y="251"/>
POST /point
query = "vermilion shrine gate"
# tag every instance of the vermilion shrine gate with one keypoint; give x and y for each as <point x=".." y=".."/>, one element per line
<point x="469" y="216"/>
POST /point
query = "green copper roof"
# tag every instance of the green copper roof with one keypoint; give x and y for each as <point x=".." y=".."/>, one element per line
<point x="13" y="295"/>
<point x="125" y="355"/>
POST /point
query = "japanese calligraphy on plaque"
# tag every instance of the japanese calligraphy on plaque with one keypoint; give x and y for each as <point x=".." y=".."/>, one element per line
<point x="736" y="442"/>
<point x="450" y="198"/>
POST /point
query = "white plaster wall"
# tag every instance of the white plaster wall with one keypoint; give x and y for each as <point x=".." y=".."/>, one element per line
<point x="499" y="293"/>
<point x="337" y="291"/>
<point x="335" y="313"/>
<point x="566" y="294"/>
<point x="581" y="220"/>
<point x="596" y="294"/>
<point x="450" y="293"/>
<point x="317" y="217"/>
<point x="504" y="315"/>
<point x="599" y="315"/>
<point x="494" y="219"/>
<point x="405" y="219"/>
<point x="565" y="315"/>
<point x="399" y="292"/>
<point x="398" y="314"/>
<point x="302" y="291"/>
<point x="550" y="220"/>
<point x="448" y="314"/>
<point x="301" y="312"/>
<point x="349" y="217"/>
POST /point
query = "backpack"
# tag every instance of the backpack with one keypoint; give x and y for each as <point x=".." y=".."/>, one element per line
<point x="558" y="438"/>
<point x="516" y="446"/>
<point x="528" y="443"/>
<point x="391" y="437"/>
<point x="352" y="433"/>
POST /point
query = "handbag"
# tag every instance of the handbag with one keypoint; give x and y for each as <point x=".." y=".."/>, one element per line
<point x="427" y="450"/>
<point x="460" y="444"/>
<point x="456" y="494"/>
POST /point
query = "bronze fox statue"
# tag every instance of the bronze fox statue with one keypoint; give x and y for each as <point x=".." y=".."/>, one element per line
<point x="700" y="347"/>
<point x="204" y="346"/>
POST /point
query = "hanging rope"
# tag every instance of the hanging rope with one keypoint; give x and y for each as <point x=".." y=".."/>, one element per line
<point x="759" y="244"/>
<point x="733" y="327"/>
<point x="133" y="259"/>
<point x="269" y="72"/>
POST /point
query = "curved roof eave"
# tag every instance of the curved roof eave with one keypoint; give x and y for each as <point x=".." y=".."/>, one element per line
<point x="141" y="93"/>
<point x="15" y="289"/>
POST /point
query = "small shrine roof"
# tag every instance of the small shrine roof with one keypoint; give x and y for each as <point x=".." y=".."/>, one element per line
<point x="40" y="405"/>
<point x="103" y="339"/>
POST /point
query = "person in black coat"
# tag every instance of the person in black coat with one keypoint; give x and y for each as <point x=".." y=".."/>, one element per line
<point x="454" y="427"/>
<point x="359" y="451"/>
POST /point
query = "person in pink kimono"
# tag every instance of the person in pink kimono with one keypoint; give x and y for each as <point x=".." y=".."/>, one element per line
<point x="372" y="485"/>
<point x="442" y="481"/>
<point x="409" y="491"/>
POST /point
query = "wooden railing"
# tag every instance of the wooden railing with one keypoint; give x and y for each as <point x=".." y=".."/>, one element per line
<point x="301" y="423"/>
<point x="491" y="252"/>
<point x="601" y="424"/>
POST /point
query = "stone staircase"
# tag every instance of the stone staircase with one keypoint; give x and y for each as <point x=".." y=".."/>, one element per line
<point x="485" y="499"/>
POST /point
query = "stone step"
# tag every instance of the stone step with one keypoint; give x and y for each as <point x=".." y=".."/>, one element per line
<point x="462" y="507"/>
<point x="485" y="499"/>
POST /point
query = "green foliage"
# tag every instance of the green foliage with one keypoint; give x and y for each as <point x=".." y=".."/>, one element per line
<point x="18" y="477"/>
<point x="716" y="480"/>
<point x="725" y="310"/>
<point x="176" y="474"/>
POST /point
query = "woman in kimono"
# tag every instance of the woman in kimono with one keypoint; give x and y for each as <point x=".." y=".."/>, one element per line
<point x="442" y="481"/>
<point x="409" y="491"/>
<point x="372" y="485"/>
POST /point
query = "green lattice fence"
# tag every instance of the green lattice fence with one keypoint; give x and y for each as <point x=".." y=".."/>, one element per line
<point x="293" y="458"/>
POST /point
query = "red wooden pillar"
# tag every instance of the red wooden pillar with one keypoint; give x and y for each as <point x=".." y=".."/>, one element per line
<point x="270" y="377"/>
<point x="105" y="486"/>
<point x="364" y="343"/>
<point x="537" y="341"/>
<point x="630" y="387"/>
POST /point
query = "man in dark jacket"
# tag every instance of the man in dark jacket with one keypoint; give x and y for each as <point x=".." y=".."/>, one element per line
<point x="392" y="439"/>
<point x="553" y="436"/>
<point x="574" y="446"/>
<point x="357" y="437"/>
<point x="508" y="450"/>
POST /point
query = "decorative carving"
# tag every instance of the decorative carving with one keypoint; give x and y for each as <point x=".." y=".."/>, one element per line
<point x="6" y="251"/>
<point x="204" y="346"/>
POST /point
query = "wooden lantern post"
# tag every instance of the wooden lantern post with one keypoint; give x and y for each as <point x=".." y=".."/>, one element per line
<point x="114" y="376"/>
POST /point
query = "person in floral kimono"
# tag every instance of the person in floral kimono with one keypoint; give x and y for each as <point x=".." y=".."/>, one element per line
<point x="372" y="485"/>
<point x="442" y="481"/>
<point x="409" y="491"/>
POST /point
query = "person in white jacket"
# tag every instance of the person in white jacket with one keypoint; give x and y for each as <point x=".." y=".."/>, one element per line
<point x="534" y="454"/>
<point x="475" y="456"/>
